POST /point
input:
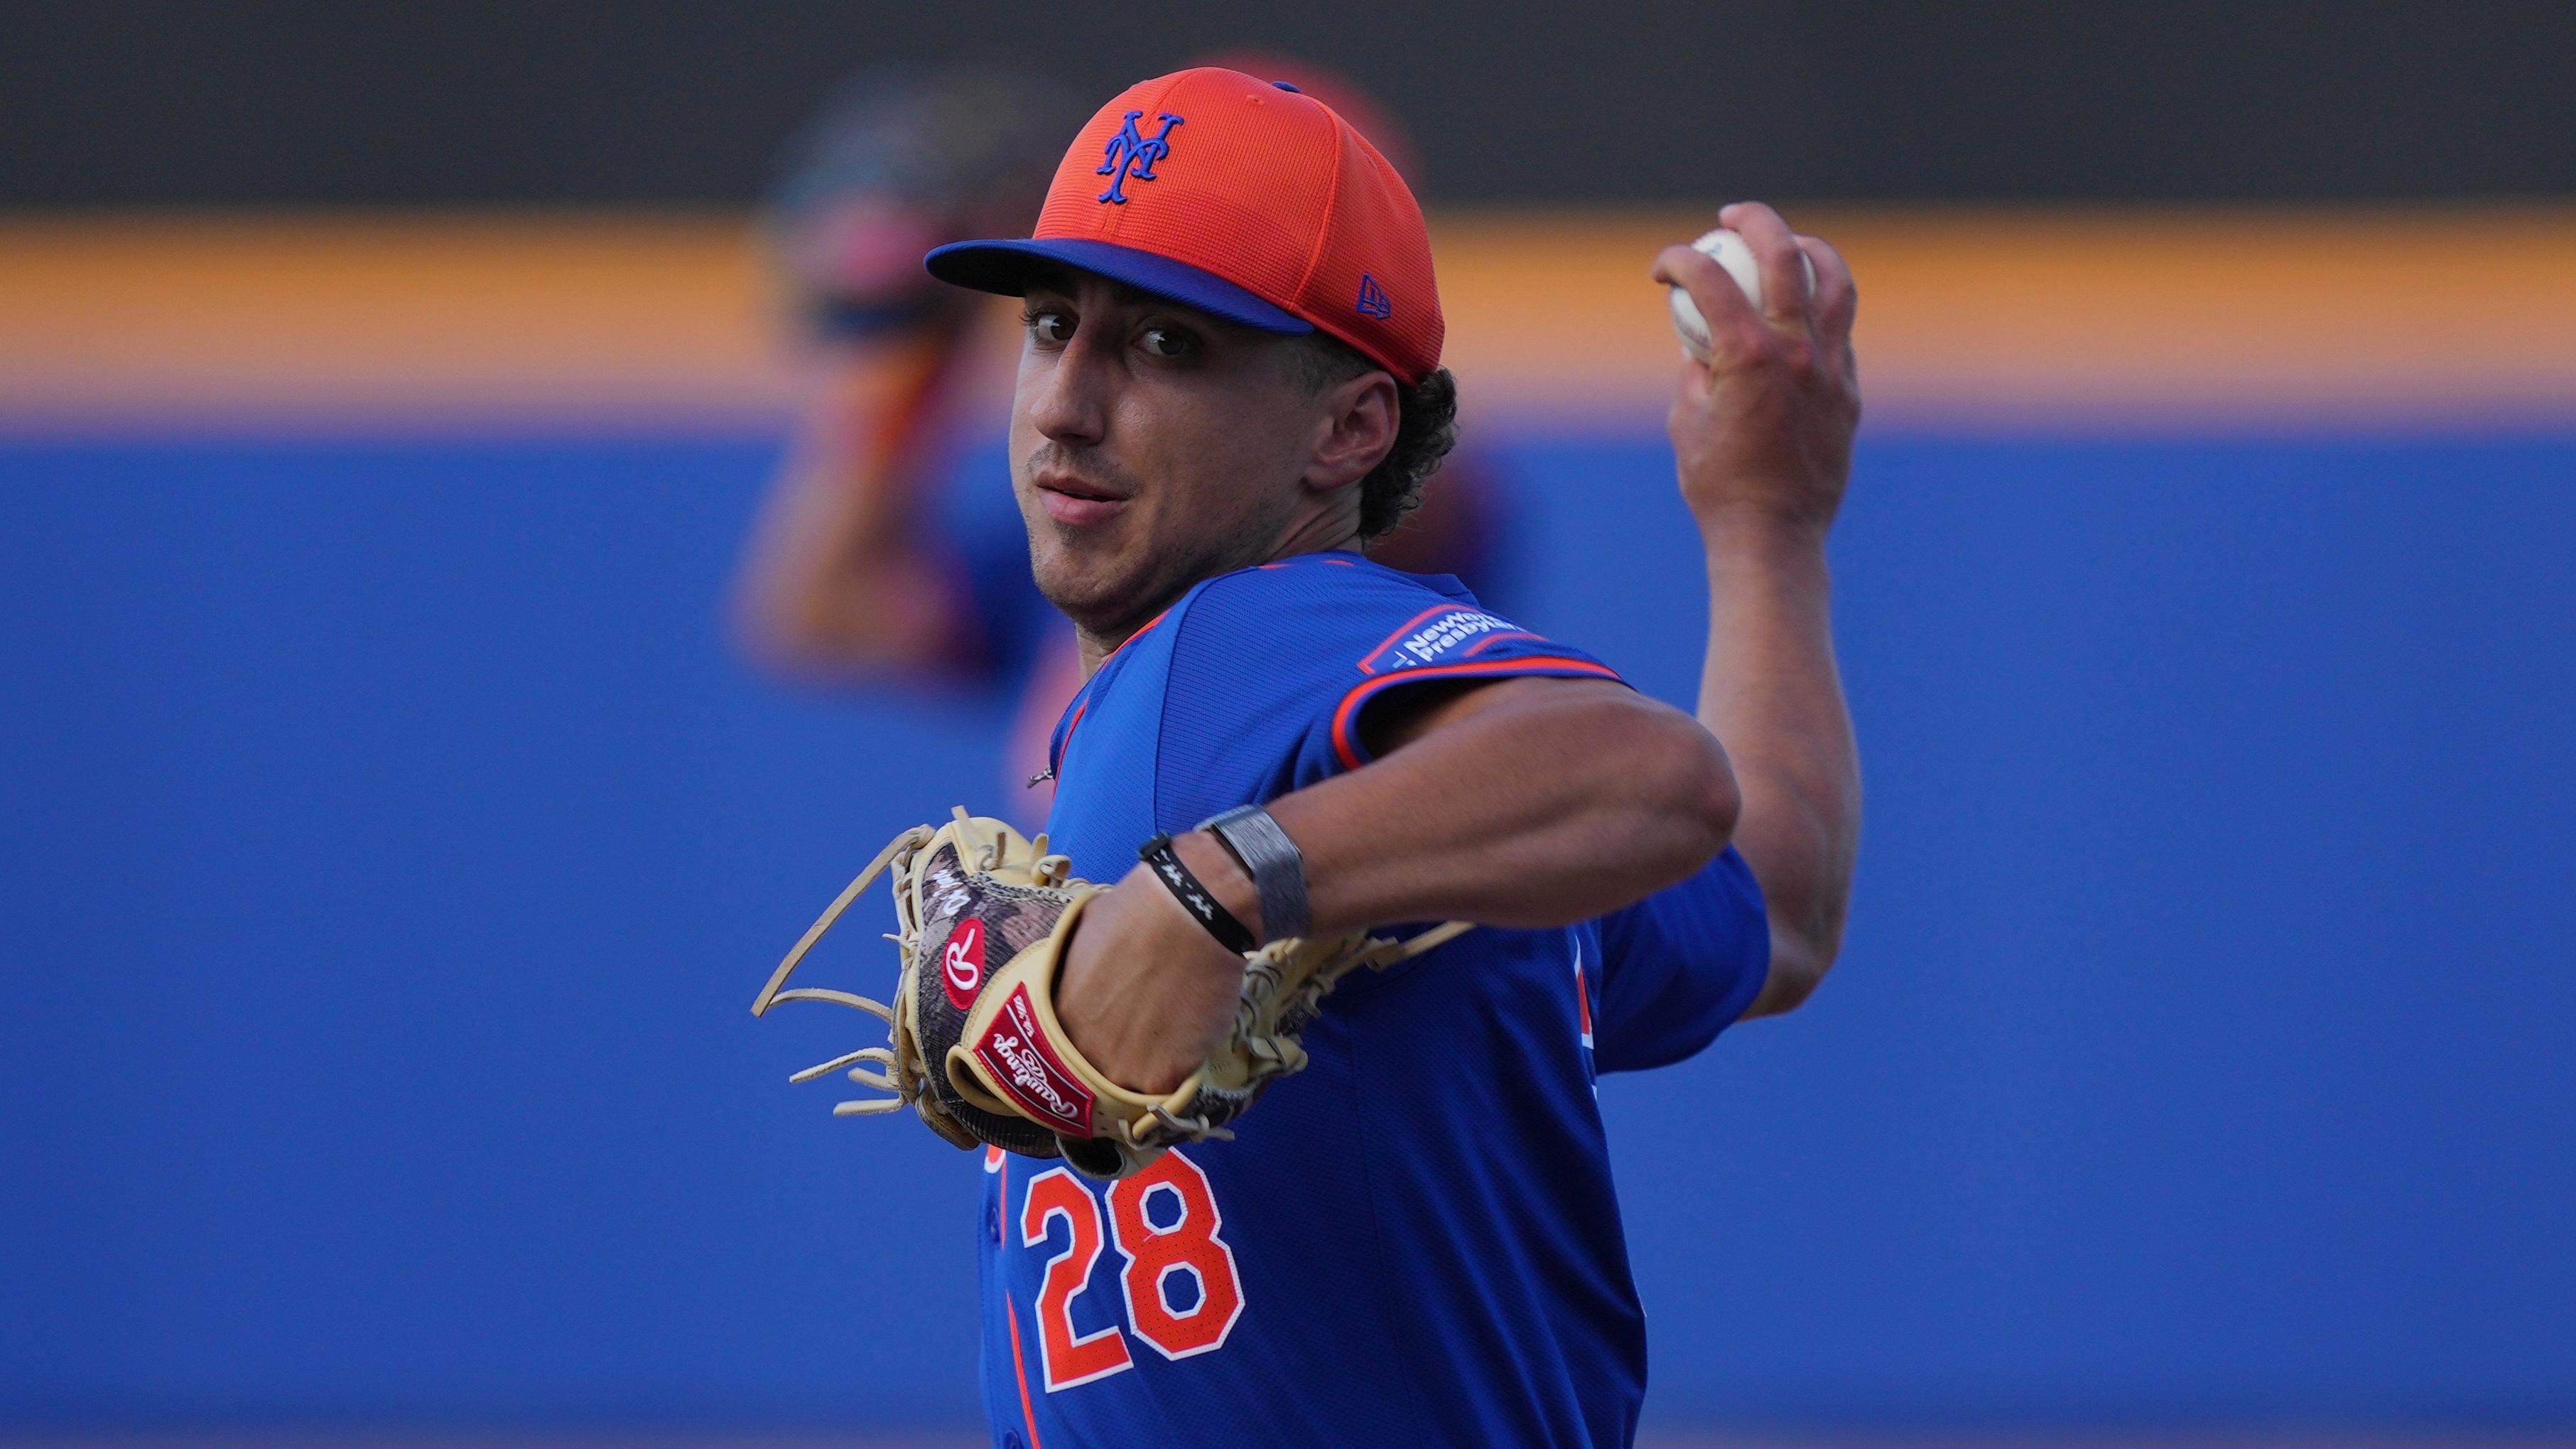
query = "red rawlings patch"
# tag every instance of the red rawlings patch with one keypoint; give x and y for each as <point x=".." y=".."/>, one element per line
<point x="961" y="963"/>
<point x="1027" y="1067"/>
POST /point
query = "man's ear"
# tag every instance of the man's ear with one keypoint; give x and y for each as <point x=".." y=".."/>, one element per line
<point x="1355" y="432"/>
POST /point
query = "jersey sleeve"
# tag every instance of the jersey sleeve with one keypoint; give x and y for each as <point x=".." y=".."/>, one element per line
<point x="1680" y="966"/>
<point x="1274" y="671"/>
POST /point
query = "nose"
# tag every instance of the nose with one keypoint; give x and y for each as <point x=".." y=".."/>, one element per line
<point x="1066" y="393"/>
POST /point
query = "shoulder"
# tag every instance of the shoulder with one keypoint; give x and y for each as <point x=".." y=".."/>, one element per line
<point x="1345" y="615"/>
<point x="1323" y="636"/>
<point x="1301" y="623"/>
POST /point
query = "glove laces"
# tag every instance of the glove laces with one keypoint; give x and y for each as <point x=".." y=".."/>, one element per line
<point x="895" y="1068"/>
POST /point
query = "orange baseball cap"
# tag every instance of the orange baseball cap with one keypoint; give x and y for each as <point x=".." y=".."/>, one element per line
<point x="1242" y="198"/>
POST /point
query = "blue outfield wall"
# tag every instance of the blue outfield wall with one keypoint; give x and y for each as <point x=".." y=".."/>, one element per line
<point x="392" y="847"/>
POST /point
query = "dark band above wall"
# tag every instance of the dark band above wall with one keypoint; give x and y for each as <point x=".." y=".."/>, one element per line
<point x="156" y="102"/>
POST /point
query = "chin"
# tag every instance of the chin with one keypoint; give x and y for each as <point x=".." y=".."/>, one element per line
<point x="1111" y="595"/>
<point x="1090" y="590"/>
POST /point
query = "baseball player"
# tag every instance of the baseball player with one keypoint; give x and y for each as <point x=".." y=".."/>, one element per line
<point x="1230" y="385"/>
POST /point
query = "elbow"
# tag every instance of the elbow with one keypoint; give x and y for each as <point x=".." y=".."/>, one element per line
<point x="1800" y="957"/>
<point x="1692" y="793"/>
<point x="1797" y="969"/>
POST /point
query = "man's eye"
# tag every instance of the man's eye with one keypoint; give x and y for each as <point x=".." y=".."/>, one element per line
<point x="1166" y="342"/>
<point x="1051" y="327"/>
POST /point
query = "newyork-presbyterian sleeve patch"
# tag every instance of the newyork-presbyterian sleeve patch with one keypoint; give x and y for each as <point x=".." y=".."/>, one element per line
<point x="1442" y="632"/>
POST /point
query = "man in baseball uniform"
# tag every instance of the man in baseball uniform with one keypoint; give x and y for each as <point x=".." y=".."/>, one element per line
<point x="1230" y="385"/>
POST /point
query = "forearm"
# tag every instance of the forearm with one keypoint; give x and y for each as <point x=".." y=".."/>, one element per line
<point x="824" y="590"/>
<point x="1762" y="446"/>
<point x="1772" y="691"/>
<point x="841" y="573"/>
<point x="1543" y="802"/>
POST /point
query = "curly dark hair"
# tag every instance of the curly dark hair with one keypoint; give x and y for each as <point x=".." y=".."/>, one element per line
<point x="1426" y="429"/>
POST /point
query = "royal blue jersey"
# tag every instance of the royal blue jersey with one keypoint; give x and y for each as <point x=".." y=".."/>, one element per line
<point x="1414" y="1241"/>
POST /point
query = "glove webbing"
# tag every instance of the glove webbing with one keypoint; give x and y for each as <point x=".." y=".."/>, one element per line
<point x="880" y="1067"/>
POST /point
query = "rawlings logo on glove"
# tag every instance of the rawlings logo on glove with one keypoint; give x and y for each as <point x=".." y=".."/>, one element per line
<point x="1012" y="1056"/>
<point x="976" y="1050"/>
<point x="961" y="962"/>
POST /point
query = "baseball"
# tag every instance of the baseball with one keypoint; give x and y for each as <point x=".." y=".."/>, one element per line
<point x="1729" y="251"/>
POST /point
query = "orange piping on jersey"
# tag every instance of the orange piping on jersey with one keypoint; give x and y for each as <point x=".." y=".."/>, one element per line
<point x="1019" y="1365"/>
<point x="1028" y="1411"/>
<point x="1496" y="639"/>
<point x="1146" y="629"/>
<point x="1582" y="998"/>
<point x="1536" y="664"/>
<point x="1056" y="764"/>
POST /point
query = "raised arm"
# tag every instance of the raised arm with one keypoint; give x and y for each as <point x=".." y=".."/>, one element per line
<point x="841" y="577"/>
<point x="1762" y="437"/>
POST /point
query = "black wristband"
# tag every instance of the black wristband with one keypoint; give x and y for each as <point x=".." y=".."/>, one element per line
<point x="1195" y="898"/>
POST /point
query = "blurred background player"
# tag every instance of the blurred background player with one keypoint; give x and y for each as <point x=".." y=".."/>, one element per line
<point x="889" y="545"/>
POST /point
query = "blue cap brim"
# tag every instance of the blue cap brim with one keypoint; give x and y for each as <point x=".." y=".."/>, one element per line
<point x="1004" y="266"/>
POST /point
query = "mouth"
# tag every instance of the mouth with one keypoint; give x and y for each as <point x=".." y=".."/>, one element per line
<point x="1077" y="502"/>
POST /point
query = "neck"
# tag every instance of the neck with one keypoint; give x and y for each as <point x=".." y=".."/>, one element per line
<point x="1320" y="532"/>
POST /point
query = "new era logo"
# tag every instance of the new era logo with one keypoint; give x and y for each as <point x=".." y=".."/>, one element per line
<point x="1373" y="300"/>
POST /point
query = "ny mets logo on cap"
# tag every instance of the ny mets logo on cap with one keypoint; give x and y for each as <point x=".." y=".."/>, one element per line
<point x="1132" y="156"/>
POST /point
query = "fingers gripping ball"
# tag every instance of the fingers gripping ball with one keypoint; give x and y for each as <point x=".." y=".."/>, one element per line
<point x="974" y="1044"/>
<point x="1727" y="248"/>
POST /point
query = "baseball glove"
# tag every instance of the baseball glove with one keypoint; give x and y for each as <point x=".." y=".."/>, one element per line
<point x="983" y="915"/>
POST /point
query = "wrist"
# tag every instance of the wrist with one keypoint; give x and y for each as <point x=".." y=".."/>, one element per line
<point x="1217" y="870"/>
<point x="1265" y="855"/>
<point x="1755" y="533"/>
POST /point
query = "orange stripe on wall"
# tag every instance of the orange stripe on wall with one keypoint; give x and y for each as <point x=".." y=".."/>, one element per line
<point x="2023" y="316"/>
<point x="665" y="321"/>
<point x="366" y="321"/>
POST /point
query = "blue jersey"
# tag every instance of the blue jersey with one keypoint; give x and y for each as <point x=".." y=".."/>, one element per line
<point x="1414" y="1241"/>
